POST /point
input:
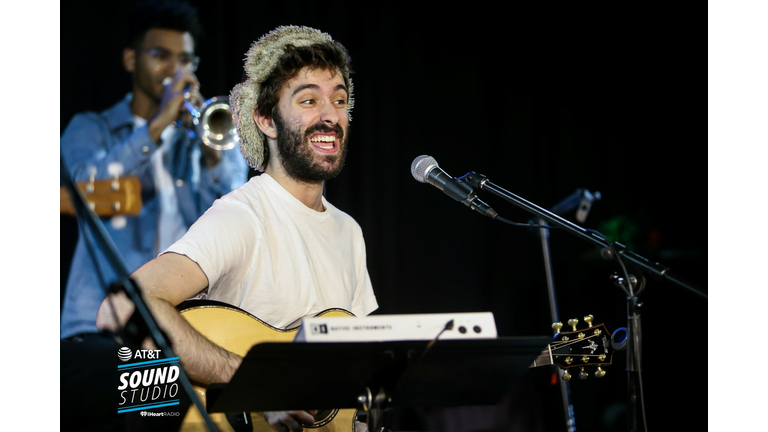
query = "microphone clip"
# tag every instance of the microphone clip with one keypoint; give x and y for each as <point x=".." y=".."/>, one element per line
<point x="473" y="179"/>
<point x="470" y="181"/>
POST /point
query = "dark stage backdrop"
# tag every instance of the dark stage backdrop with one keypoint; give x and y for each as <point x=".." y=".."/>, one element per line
<point x="541" y="101"/>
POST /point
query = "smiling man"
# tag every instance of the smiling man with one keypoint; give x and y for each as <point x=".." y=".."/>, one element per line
<point x="275" y="247"/>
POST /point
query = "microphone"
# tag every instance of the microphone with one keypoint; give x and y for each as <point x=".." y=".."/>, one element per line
<point x="426" y="170"/>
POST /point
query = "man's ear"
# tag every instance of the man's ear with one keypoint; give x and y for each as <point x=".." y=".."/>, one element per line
<point x="265" y="124"/>
<point x="129" y="59"/>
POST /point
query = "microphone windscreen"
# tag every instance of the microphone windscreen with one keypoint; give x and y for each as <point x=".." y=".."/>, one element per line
<point x="421" y="166"/>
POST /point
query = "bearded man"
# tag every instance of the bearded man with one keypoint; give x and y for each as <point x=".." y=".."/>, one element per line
<point x="274" y="247"/>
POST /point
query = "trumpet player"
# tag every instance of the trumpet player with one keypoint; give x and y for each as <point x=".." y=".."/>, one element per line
<point x="140" y="136"/>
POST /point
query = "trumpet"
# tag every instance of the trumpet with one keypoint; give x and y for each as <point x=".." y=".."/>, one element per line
<point x="213" y="123"/>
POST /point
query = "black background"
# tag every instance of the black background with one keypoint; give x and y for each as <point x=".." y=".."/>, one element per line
<point x="543" y="101"/>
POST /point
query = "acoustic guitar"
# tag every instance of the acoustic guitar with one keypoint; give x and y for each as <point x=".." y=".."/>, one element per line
<point x="237" y="331"/>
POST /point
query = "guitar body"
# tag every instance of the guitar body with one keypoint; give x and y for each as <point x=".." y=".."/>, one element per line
<point x="237" y="331"/>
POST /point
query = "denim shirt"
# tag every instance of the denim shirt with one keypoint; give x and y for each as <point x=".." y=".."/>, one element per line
<point x="96" y="140"/>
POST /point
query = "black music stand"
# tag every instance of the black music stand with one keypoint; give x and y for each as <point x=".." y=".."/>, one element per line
<point x="375" y="376"/>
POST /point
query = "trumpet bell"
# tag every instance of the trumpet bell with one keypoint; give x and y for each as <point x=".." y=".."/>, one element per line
<point x="215" y="125"/>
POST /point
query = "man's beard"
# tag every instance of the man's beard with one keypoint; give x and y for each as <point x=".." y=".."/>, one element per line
<point x="299" y="160"/>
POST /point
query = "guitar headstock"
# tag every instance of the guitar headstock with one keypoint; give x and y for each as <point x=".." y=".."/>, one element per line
<point x="581" y="348"/>
<point x="107" y="197"/>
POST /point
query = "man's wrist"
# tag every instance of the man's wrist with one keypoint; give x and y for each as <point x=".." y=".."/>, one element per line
<point x="155" y="130"/>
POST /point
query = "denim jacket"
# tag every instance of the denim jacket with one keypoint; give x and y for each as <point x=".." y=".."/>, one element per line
<point x="96" y="140"/>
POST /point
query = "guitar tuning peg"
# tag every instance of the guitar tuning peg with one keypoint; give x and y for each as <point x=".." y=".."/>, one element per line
<point x="599" y="373"/>
<point x="573" y="322"/>
<point x="566" y="375"/>
<point x="588" y="319"/>
<point x="115" y="169"/>
<point x="583" y="374"/>
<point x="89" y="188"/>
<point x="557" y="326"/>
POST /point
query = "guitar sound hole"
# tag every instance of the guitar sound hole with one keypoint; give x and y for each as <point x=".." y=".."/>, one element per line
<point x="323" y="417"/>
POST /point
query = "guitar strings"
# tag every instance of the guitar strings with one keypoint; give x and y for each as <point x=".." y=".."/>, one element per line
<point x="561" y="344"/>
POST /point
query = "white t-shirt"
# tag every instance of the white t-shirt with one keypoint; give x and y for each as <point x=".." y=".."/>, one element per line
<point x="170" y="225"/>
<point x="266" y="252"/>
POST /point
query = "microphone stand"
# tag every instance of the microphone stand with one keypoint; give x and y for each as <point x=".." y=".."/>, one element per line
<point x="565" y="390"/>
<point x="148" y="322"/>
<point x="628" y="283"/>
<point x="575" y="200"/>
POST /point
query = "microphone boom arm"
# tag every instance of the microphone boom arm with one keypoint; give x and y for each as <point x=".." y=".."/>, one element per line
<point x="656" y="270"/>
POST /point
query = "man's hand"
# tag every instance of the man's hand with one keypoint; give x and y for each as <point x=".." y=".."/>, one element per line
<point x="172" y="106"/>
<point x="114" y="312"/>
<point x="289" y="421"/>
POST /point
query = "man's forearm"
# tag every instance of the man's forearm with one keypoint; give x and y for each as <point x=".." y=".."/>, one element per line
<point x="202" y="360"/>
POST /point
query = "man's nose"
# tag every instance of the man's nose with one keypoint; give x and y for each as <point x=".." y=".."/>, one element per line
<point x="329" y="113"/>
<point x="175" y="65"/>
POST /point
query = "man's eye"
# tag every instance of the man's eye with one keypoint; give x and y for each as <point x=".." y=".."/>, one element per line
<point x="307" y="102"/>
<point x="341" y="102"/>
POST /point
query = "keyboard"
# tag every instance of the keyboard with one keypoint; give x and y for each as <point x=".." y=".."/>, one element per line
<point x="400" y="327"/>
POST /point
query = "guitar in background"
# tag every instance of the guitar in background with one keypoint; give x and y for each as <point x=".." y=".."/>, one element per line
<point x="108" y="197"/>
